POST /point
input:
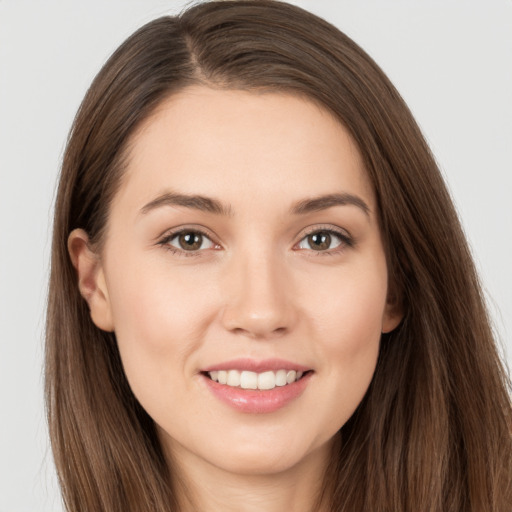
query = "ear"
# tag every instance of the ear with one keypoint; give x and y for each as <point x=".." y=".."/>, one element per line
<point x="91" y="279"/>
<point x="393" y="314"/>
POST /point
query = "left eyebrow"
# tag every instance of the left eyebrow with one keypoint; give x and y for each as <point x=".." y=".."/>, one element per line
<point x="195" y="202"/>
<point x="324" y="202"/>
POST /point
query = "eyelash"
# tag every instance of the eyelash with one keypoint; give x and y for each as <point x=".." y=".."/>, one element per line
<point x="346" y="241"/>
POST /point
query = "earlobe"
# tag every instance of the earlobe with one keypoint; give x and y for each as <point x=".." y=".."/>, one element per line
<point x="393" y="315"/>
<point x="91" y="279"/>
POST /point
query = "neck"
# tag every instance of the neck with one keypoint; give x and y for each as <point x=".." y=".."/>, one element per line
<point x="203" y="487"/>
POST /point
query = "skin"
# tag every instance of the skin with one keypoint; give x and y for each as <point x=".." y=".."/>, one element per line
<point x="260" y="289"/>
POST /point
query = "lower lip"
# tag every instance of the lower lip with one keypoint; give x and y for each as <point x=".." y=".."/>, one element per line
<point x="256" y="401"/>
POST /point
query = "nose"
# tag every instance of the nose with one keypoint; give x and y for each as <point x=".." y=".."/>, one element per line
<point x="259" y="295"/>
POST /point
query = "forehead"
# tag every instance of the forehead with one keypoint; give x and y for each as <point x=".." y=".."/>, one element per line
<point x="226" y="143"/>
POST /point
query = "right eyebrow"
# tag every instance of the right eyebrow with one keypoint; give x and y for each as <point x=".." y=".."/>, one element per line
<point x="196" y="202"/>
<point x="324" y="202"/>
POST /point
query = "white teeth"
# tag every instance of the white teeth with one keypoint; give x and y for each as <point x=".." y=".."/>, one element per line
<point x="281" y="378"/>
<point x="267" y="380"/>
<point x="233" y="378"/>
<point x="252" y="380"/>
<point x="248" y="380"/>
<point x="290" y="376"/>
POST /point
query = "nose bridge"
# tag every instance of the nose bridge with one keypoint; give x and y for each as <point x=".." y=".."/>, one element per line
<point x="258" y="303"/>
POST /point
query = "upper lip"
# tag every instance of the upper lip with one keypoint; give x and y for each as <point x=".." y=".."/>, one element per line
<point x="258" y="366"/>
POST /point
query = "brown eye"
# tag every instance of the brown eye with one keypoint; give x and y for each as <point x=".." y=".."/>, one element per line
<point x="322" y="241"/>
<point x="190" y="241"/>
<point x="319" y="241"/>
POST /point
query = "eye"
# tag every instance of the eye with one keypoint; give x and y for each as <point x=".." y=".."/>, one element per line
<point x="188" y="240"/>
<point x="324" y="241"/>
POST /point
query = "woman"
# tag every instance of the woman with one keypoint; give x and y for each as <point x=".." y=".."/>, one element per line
<point x="261" y="296"/>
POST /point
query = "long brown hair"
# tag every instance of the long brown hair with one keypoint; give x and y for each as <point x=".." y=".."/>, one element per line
<point x="433" y="432"/>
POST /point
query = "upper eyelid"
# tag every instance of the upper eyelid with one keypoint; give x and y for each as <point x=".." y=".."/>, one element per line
<point x="323" y="227"/>
<point x="171" y="233"/>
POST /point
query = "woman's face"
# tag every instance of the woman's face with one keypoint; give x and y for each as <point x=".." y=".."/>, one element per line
<point x="243" y="244"/>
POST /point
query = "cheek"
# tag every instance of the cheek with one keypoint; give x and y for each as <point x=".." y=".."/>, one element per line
<point x="154" y="305"/>
<point x="159" y="321"/>
<point x="346" y="323"/>
<point x="352" y="319"/>
<point x="348" y="310"/>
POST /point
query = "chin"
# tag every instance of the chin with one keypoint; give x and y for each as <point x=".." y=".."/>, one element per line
<point x="251" y="461"/>
<point x="259" y="457"/>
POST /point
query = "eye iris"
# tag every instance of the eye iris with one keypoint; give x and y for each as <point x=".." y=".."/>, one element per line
<point x="190" y="241"/>
<point x="319" y="241"/>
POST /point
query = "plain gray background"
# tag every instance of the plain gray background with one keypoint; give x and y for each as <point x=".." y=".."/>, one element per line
<point x="451" y="60"/>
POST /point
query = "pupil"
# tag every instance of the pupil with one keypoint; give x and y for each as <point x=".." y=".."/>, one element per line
<point x="191" y="241"/>
<point x="320" y="241"/>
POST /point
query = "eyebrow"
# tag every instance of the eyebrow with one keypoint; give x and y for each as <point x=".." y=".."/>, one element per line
<point x="202" y="203"/>
<point x="210" y="205"/>
<point x="324" y="202"/>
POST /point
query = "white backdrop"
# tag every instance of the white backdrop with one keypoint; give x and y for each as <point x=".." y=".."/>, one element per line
<point x="451" y="60"/>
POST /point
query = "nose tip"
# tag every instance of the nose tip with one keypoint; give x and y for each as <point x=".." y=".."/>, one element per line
<point x="254" y="325"/>
<point x="259" y="304"/>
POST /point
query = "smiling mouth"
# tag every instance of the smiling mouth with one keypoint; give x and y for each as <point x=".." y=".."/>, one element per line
<point x="256" y="381"/>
